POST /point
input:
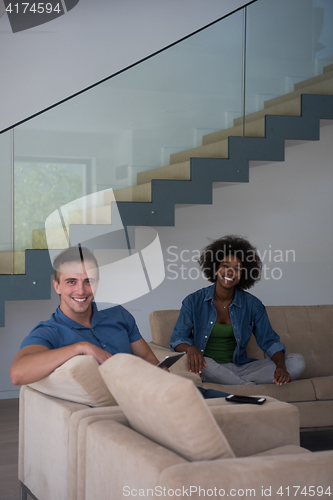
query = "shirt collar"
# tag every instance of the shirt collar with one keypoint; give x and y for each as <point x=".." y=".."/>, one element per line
<point x="238" y="299"/>
<point x="96" y="318"/>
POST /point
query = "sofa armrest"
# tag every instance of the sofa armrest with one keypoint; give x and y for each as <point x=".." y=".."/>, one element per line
<point x="160" y="352"/>
<point x="118" y="457"/>
<point x="252" y="429"/>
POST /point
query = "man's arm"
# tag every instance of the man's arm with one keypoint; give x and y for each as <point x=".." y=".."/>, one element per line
<point x="34" y="362"/>
<point x="141" y="349"/>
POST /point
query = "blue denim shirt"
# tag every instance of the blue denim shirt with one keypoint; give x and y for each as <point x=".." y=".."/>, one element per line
<point x="247" y="313"/>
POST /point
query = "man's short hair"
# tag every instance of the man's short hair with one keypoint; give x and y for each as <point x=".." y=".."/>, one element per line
<point x="73" y="254"/>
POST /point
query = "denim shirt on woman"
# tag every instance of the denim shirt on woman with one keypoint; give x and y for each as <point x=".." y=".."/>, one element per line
<point x="247" y="313"/>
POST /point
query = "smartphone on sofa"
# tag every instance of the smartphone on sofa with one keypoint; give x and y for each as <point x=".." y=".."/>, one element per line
<point x="245" y="399"/>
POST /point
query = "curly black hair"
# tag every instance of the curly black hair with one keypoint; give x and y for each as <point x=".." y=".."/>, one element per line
<point x="213" y="254"/>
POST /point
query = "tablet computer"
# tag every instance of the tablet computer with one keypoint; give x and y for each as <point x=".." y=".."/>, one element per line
<point x="170" y="360"/>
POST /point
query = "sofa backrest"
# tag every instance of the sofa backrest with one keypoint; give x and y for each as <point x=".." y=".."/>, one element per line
<point x="307" y="330"/>
<point x="162" y="324"/>
<point x="164" y="407"/>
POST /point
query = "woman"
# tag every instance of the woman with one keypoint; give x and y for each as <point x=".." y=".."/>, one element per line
<point x="215" y="323"/>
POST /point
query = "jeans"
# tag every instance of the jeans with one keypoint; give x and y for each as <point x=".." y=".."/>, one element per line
<point x="260" y="371"/>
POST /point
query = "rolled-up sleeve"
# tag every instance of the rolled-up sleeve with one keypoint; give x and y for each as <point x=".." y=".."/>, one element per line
<point x="267" y="339"/>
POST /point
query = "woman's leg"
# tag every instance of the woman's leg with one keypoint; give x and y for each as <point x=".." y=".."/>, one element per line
<point x="222" y="374"/>
<point x="260" y="371"/>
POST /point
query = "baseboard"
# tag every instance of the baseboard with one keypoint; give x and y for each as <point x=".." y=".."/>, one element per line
<point x="14" y="394"/>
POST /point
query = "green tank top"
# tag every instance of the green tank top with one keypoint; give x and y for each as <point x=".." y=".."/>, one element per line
<point x="221" y="344"/>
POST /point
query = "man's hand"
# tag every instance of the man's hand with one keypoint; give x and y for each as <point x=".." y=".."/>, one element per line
<point x="281" y="375"/>
<point x="90" y="349"/>
<point x="195" y="359"/>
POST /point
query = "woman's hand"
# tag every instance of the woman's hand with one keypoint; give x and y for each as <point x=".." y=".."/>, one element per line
<point x="195" y="359"/>
<point x="281" y="375"/>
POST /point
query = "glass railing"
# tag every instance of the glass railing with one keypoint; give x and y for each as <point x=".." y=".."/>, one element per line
<point x="148" y="121"/>
<point x="287" y="42"/>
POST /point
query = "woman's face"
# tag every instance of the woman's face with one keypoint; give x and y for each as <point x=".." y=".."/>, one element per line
<point x="229" y="272"/>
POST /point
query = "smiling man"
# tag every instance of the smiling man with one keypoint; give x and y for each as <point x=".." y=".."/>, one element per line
<point x="77" y="327"/>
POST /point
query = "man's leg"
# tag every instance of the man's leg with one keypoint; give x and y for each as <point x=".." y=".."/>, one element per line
<point x="222" y="374"/>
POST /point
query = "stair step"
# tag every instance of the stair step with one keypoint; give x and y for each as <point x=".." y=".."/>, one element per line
<point x="255" y="128"/>
<point x="328" y="68"/>
<point x="177" y="171"/>
<point x="289" y="107"/>
<point x="324" y="87"/>
<point x="12" y="262"/>
<point x="139" y="193"/>
<point x="57" y="239"/>
<point x="96" y="215"/>
<point x="316" y="79"/>
<point x="215" y="150"/>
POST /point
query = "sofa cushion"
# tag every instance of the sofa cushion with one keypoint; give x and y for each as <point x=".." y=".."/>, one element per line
<point x="165" y="408"/>
<point x="297" y="390"/>
<point x="323" y="387"/>
<point x="77" y="380"/>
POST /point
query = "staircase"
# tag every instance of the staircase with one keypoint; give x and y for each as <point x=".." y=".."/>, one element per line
<point x="223" y="157"/>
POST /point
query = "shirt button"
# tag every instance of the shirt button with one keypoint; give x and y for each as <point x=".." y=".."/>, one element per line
<point x="205" y="336"/>
<point x="104" y="345"/>
<point x="211" y="322"/>
<point x="201" y="350"/>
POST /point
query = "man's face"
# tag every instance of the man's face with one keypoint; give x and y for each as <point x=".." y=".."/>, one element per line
<point x="77" y="286"/>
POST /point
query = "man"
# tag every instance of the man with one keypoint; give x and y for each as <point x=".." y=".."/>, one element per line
<point x="77" y="327"/>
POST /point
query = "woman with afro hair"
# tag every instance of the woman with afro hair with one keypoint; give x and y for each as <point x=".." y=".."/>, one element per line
<point x="215" y="323"/>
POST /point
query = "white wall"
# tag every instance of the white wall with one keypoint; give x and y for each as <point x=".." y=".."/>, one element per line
<point x="285" y="206"/>
<point x="96" y="39"/>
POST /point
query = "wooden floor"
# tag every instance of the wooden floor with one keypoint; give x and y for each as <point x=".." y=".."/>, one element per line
<point x="9" y="484"/>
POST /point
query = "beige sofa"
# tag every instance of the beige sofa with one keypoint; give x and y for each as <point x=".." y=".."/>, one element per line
<point x="58" y="414"/>
<point x="307" y="330"/>
<point x="175" y="444"/>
